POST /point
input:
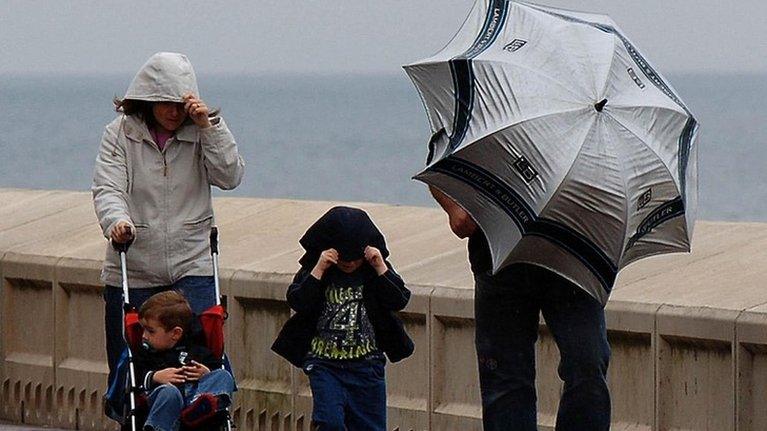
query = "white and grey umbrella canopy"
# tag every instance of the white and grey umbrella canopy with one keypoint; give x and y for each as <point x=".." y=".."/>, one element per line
<point x="560" y="138"/>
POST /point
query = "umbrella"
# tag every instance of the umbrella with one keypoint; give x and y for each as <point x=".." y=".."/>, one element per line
<point x="561" y="140"/>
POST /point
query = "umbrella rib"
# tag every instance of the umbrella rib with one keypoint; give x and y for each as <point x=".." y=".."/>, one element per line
<point x="640" y="60"/>
<point x="609" y="69"/>
<point x="688" y="117"/>
<point x="536" y="72"/>
<point x="572" y="166"/>
<point x="421" y="96"/>
<point x="542" y="8"/>
<point x="522" y="121"/>
<point x="639" y="138"/>
<point x="626" y="237"/>
<point x="648" y="106"/>
<point x="679" y="198"/>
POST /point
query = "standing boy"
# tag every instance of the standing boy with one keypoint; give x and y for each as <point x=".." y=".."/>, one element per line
<point x="345" y="296"/>
<point x="181" y="376"/>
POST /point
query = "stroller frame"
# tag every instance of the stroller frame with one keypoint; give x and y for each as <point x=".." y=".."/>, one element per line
<point x="122" y="249"/>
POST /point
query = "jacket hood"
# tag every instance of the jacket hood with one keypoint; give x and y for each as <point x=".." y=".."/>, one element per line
<point x="165" y="77"/>
<point x="348" y="230"/>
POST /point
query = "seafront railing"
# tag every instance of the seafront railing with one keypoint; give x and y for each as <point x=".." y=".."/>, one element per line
<point x="688" y="332"/>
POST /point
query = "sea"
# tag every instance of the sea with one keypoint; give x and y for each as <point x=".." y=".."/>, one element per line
<point x="347" y="137"/>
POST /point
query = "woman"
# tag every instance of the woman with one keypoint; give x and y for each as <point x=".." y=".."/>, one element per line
<point x="151" y="183"/>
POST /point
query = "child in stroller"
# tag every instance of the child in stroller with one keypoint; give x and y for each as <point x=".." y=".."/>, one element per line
<point x="171" y="356"/>
<point x="181" y="377"/>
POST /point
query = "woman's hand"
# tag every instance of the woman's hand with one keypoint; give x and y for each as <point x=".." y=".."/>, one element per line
<point x="195" y="371"/>
<point x="169" y="375"/>
<point x="327" y="259"/>
<point x="198" y="111"/>
<point x="374" y="258"/>
<point x="122" y="232"/>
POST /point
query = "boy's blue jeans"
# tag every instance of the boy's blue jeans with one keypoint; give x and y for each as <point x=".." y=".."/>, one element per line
<point x="200" y="291"/>
<point x="507" y="308"/>
<point x="348" y="395"/>
<point x="167" y="401"/>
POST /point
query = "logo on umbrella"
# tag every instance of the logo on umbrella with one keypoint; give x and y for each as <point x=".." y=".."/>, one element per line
<point x="525" y="169"/>
<point x="634" y="76"/>
<point x="644" y="199"/>
<point x="515" y="45"/>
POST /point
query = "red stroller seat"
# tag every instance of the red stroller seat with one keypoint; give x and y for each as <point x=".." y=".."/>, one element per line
<point x="212" y="321"/>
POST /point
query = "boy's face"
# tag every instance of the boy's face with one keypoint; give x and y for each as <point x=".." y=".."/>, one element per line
<point x="157" y="336"/>
<point x="349" y="266"/>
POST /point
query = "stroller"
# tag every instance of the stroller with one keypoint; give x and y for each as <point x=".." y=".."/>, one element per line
<point x="123" y="401"/>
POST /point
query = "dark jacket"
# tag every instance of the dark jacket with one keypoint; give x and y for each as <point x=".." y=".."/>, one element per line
<point x="190" y="347"/>
<point x="382" y="296"/>
<point x="348" y="231"/>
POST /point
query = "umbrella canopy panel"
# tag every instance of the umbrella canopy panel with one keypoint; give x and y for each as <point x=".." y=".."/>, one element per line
<point x="561" y="140"/>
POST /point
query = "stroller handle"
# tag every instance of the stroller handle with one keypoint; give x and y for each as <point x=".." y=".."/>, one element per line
<point x="214" y="255"/>
<point x="122" y="247"/>
<point x="214" y="240"/>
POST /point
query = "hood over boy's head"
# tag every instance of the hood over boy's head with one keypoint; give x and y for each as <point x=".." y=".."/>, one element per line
<point x="348" y="230"/>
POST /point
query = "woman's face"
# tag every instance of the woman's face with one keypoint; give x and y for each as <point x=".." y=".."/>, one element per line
<point x="169" y="115"/>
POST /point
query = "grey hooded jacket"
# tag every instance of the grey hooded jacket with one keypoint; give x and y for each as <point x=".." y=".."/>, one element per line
<point x="164" y="194"/>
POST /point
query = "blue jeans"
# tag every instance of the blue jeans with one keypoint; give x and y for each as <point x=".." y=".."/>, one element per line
<point x="348" y="395"/>
<point x="200" y="291"/>
<point x="507" y="308"/>
<point x="167" y="401"/>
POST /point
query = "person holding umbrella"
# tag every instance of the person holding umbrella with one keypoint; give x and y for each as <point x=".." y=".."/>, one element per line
<point x="506" y="309"/>
<point x="151" y="186"/>
<point x="563" y="155"/>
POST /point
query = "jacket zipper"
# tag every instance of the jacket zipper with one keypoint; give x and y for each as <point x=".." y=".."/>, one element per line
<point x="166" y="210"/>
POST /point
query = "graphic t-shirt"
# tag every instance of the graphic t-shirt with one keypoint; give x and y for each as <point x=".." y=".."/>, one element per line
<point x="344" y="330"/>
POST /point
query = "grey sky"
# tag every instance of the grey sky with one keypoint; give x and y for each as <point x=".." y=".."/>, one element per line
<point x="328" y="36"/>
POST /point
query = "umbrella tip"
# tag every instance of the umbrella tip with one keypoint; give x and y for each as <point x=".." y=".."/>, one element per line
<point x="600" y="105"/>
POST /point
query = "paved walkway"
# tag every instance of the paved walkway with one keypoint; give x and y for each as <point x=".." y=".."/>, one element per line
<point x="7" y="427"/>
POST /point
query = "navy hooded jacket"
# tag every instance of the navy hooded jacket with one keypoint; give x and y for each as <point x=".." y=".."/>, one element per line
<point x="349" y="231"/>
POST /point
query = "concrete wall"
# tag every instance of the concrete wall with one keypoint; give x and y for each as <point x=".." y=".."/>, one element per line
<point x="689" y="332"/>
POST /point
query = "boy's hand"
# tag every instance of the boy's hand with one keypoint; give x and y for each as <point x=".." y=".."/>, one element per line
<point x="198" y="111"/>
<point x="327" y="259"/>
<point x="169" y="375"/>
<point x="374" y="258"/>
<point x="194" y="371"/>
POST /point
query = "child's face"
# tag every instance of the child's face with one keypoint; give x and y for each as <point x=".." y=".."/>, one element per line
<point x="157" y="336"/>
<point x="349" y="266"/>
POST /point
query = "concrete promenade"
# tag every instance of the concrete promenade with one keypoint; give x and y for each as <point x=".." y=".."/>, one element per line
<point x="689" y="331"/>
<point x="11" y="427"/>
